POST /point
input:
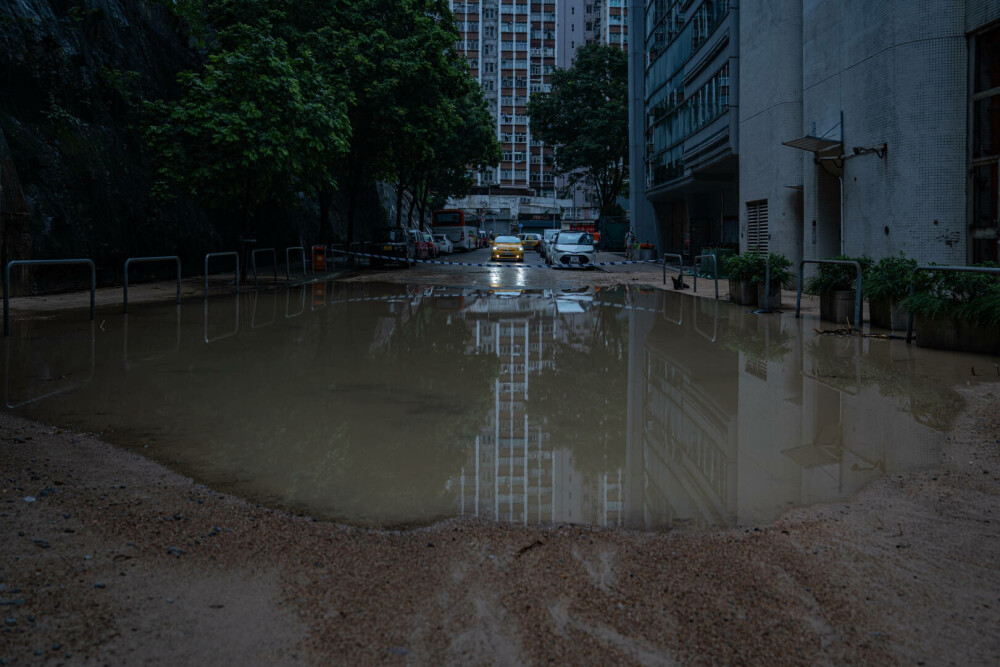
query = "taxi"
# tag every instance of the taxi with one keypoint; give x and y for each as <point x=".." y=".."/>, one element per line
<point x="507" y="247"/>
<point x="530" y="241"/>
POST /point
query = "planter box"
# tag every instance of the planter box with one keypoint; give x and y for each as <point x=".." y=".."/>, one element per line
<point x="838" y="307"/>
<point x="647" y="253"/>
<point x="958" y="335"/>
<point x="887" y="314"/>
<point x="772" y="300"/>
<point x="742" y="292"/>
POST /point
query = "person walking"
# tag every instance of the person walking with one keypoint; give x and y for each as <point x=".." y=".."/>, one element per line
<point x="629" y="244"/>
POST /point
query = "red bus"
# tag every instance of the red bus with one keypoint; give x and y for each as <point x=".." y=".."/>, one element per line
<point x="457" y="227"/>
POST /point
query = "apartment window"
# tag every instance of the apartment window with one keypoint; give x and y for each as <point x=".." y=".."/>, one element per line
<point x="757" y="234"/>
<point x="986" y="147"/>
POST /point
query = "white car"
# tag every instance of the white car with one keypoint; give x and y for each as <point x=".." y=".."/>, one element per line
<point x="572" y="249"/>
<point x="547" y="236"/>
<point x="445" y="246"/>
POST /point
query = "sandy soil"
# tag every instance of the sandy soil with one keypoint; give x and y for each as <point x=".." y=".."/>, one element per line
<point x="110" y="558"/>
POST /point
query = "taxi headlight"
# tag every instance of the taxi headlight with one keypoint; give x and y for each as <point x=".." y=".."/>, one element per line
<point x="520" y="248"/>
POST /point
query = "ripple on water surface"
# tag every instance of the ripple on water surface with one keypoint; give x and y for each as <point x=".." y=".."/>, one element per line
<point x="395" y="405"/>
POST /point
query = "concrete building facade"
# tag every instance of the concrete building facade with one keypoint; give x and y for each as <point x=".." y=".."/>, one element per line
<point x="862" y="128"/>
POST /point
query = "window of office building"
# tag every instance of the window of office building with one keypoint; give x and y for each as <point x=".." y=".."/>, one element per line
<point x="757" y="234"/>
<point x="986" y="146"/>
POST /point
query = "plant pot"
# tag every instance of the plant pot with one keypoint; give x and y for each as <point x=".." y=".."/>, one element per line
<point x="742" y="292"/>
<point x="887" y="313"/>
<point x="958" y="335"/>
<point x="838" y="307"/>
<point x="647" y="253"/>
<point x="772" y="300"/>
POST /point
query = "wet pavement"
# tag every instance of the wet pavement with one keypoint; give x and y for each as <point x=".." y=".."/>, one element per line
<point x="386" y="404"/>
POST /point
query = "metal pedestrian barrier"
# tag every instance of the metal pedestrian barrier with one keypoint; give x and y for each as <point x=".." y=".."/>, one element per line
<point x="857" y="293"/>
<point x="236" y="323"/>
<point x="45" y="262"/>
<point x="253" y="263"/>
<point x="715" y="272"/>
<point x="288" y="261"/>
<point x="236" y="271"/>
<point x="953" y="269"/>
<point x="680" y="265"/>
<point x="165" y="258"/>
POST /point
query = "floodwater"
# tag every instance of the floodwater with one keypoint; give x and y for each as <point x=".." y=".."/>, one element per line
<point x="399" y="405"/>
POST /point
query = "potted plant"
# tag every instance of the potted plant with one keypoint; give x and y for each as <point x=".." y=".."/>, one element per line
<point x="957" y="311"/>
<point x="835" y="284"/>
<point x="886" y="286"/>
<point x="742" y="270"/>
<point x="647" y="251"/>
<point x="780" y="277"/>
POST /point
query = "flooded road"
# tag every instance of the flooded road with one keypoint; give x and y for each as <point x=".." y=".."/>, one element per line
<point x="391" y="405"/>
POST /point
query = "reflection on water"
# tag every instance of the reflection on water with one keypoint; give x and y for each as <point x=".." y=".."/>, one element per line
<point x="386" y="404"/>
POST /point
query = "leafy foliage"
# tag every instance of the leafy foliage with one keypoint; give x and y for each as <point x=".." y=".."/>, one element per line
<point x="585" y="118"/>
<point x="256" y="122"/>
<point x="889" y="278"/>
<point x="751" y="267"/>
<point x="836" y="277"/>
<point x="951" y="295"/>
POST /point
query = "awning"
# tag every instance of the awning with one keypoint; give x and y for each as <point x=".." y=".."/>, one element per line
<point x="813" y="144"/>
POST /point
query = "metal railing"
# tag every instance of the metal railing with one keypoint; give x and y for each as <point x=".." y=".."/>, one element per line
<point x="165" y="258"/>
<point x="288" y="261"/>
<point x="954" y="269"/>
<point x="680" y="265"/>
<point x="715" y="272"/>
<point x="236" y="271"/>
<point x="253" y="263"/>
<point x="45" y="262"/>
<point x="857" y="293"/>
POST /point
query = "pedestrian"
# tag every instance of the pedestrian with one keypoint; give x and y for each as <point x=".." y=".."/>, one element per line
<point x="629" y="243"/>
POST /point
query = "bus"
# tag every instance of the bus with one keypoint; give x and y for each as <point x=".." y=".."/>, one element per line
<point x="458" y="227"/>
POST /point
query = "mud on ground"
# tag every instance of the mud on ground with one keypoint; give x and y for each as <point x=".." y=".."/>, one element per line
<point x="108" y="557"/>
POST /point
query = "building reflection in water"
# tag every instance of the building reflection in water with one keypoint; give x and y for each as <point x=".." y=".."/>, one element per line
<point x="731" y="417"/>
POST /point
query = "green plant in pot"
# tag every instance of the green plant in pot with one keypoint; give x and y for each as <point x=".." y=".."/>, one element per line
<point x="836" y="285"/>
<point x="957" y="311"/>
<point x="742" y="270"/>
<point x="886" y="284"/>
<point x="780" y="277"/>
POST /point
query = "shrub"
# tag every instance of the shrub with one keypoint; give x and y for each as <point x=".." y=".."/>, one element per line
<point x="951" y="295"/>
<point x="750" y="266"/>
<point x="835" y="277"/>
<point x="890" y="277"/>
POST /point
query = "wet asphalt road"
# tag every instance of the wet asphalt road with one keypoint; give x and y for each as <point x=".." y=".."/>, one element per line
<point x="532" y="273"/>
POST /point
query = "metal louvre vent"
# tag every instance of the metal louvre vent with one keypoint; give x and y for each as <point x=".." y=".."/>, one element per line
<point x="757" y="234"/>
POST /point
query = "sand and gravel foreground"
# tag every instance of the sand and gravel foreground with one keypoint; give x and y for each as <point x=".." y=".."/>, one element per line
<point x="118" y="560"/>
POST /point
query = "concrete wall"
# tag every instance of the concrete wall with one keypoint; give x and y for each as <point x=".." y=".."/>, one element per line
<point x="770" y="112"/>
<point x="897" y="70"/>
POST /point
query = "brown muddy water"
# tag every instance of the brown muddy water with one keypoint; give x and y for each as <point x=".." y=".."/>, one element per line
<point x="392" y="405"/>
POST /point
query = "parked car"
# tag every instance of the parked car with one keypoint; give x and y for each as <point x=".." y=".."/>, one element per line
<point x="429" y="238"/>
<point x="547" y="237"/>
<point x="507" y="247"/>
<point x="530" y="241"/>
<point x="423" y="248"/>
<point x="445" y="246"/>
<point x="391" y="242"/>
<point x="572" y="249"/>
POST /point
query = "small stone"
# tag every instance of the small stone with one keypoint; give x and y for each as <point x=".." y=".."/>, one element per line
<point x="56" y="646"/>
<point x="98" y="584"/>
<point x="10" y="621"/>
<point x="87" y="557"/>
<point x="41" y="544"/>
<point x="29" y="499"/>
<point x="430" y="544"/>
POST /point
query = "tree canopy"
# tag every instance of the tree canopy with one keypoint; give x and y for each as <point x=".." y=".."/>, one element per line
<point x="313" y="95"/>
<point x="585" y="117"/>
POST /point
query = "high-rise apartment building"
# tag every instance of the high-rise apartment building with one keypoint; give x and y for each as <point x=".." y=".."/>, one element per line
<point x="512" y="47"/>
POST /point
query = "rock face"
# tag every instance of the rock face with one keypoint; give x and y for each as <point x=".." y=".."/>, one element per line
<point x="75" y="177"/>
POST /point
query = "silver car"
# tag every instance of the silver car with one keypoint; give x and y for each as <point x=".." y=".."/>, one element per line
<point x="547" y="236"/>
<point x="572" y="249"/>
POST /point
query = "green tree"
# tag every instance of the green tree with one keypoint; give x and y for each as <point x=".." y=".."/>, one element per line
<point x="585" y="117"/>
<point x="254" y="123"/>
